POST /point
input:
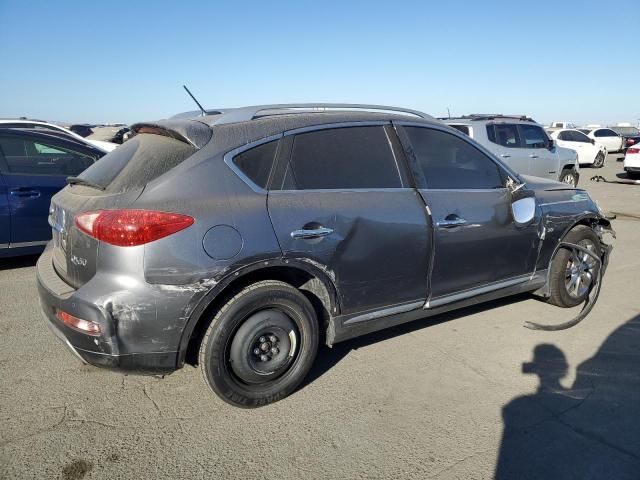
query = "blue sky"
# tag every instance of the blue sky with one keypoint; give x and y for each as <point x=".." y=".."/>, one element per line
<point x="108" y="61"/>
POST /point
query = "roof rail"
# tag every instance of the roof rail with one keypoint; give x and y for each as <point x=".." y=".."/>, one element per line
<point x="244" y="114"/>
<point x="493" y="116"/>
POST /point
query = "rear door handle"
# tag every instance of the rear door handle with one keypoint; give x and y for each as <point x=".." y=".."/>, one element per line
<point x="533" y="156"/>
<point x="305" y="233"/>
<point x="505" y="155"/>
<point x="24" y="192"/>
<point x="451" y="221"/>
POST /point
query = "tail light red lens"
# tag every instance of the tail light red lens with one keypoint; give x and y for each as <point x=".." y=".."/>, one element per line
<point x="83" y="326"/>
<point x="630" y="141"/>
<point x="128" y="228"/>
<point x="633" y="151"/>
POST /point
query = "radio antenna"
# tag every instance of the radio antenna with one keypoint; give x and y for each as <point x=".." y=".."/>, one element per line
<point x="204" y="112"/>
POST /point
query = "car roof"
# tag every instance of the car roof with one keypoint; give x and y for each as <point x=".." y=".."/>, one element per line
<point x="254" y="123"/>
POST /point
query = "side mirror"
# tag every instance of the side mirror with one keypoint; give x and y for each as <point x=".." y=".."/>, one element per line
<point x="593" y="142"/>
<point x="551" y="144"/>
<point x="523" y="210"/>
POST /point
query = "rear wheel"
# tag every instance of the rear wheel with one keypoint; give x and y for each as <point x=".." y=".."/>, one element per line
<point x="260" y="345"/>
<point x="569" y="176"/>
<point x="599" y="160"/>
<point x="573" y="273"/>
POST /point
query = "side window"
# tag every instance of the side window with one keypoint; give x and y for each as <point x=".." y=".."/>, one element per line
<point x="34" y="157"/>
<point x="580" y="137"/>
<point x="256" y="162"/>
<point x="341" y="158"/>
<point x="534" y="136"/>
<point x="505" y="135"/>
<point x="605" y="133"/>
<point x="565" y="136"/>
<point x="445" y="161"/>
<point x="461" y="128"/>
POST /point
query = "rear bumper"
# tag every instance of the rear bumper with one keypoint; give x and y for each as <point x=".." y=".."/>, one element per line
<point x="134" y="337"/>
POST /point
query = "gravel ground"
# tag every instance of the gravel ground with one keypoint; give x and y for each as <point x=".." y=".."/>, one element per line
<point x="439" y="398"/>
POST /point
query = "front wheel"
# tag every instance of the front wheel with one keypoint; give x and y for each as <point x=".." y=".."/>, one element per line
<point x="569" y="176"/>
<point x="599" y="160"/>
<point x="260" y="345"/>
<point x="573" y="273"/>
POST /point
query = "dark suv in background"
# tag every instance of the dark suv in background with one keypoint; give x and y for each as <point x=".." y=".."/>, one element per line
<point x="242" y="239"/>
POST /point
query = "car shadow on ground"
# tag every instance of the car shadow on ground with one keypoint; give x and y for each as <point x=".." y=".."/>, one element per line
<point x="588" y="431"/>
<point x="329" y="357"/>
<point x="18" y="262"/>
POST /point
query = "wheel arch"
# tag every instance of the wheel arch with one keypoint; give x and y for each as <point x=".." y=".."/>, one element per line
<point x="314" y="280"/>
<point x="591" y="220"/>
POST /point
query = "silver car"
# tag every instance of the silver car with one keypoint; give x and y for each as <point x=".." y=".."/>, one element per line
<point x="522" y="144"/>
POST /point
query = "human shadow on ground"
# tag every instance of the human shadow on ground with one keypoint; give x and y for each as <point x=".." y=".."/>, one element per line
<point x="588" y="431"/>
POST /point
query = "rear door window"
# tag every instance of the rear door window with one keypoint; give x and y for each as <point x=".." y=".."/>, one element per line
<point x="32" y="156"/>
<point x="503" y="134"/>
<point x="137" y="162"/>
<point x="445" y="161"/>
<point x="605" y="132"/>
<point x="342" y="158"/>
<point x="534" y="136"/>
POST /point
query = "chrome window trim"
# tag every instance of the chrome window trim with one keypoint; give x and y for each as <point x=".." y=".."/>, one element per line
<point x="230" y="155"/>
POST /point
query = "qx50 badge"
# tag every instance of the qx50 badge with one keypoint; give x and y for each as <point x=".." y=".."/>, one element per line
<point x="78" y="261"/>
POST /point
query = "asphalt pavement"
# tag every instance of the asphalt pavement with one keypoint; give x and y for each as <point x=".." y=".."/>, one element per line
<point x="469" y="395"/>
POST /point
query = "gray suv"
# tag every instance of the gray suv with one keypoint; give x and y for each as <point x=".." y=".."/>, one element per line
<point x="522" y="144"/>
<point x="242" y="239"/>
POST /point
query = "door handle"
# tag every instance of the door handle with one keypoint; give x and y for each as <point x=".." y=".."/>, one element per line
<point x="505" y="155"/>
<point x="24" y="192"/>
<point x="533" y="156"/>
<point x="307" y="233"/>
<point x="451" y="221"/>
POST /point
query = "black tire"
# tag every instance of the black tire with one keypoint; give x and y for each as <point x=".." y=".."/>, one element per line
<point x="599" y="160"/>
<point x="560" y="278"/>
<point x="232" y="351"/>
<point x="569" y="176"/>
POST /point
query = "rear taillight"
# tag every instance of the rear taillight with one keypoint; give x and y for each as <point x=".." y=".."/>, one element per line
<point x="633" y="151"/>
<point x="630" y="141"/>
<point x="128" y="228"/>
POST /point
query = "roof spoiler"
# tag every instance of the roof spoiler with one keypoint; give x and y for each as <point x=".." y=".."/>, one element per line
<point x="194" y="133"/>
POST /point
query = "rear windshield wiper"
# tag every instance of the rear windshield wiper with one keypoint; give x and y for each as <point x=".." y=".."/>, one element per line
<point x="82" y="181"/>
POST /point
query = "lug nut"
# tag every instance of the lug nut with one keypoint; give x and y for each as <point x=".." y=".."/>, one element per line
<point x="262" y="339"/>
<point x="273" y="339"/>
<point x="256" y="351"/>
<point x="275" y="350"/>
<point x="264" y="358"/>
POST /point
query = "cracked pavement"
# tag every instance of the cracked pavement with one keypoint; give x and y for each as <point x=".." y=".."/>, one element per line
<point x="445" y="398"/>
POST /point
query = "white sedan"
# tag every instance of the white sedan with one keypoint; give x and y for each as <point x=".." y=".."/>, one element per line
<point x="590" y="152"/>
<point x="632" y="161"/>
<point x="607" y="137"/>
<point x="19" y="123"/>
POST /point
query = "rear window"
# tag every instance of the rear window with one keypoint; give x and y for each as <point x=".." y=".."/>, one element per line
<point x="461" y="128"/>
<point x="137" y="162"/>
